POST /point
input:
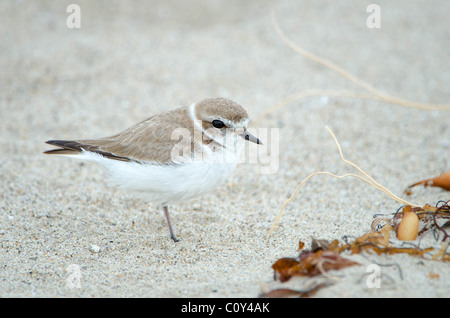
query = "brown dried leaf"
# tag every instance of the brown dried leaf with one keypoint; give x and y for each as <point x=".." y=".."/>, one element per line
<point x="443" y="181"/>
<point x="310" y="264"/>
<point x="283" y="268"/>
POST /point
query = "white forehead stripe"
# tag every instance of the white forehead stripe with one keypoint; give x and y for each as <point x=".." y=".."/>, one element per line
<point x="194" y="117"/>
<point x="197" y="123"/>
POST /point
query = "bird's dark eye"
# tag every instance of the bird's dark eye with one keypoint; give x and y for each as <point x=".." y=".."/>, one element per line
<point x="218" y="123"/>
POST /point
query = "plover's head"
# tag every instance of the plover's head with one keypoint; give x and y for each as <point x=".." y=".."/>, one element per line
<point x="222" y="118"/>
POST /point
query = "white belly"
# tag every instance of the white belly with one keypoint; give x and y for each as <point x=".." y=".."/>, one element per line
<point x="165" y="183"/>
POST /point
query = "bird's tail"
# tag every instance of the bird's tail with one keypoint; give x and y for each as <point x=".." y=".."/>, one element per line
<point x="66" y="147"/>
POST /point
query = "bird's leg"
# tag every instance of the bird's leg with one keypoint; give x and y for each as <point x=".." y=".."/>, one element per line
<point x="166" y="214"/>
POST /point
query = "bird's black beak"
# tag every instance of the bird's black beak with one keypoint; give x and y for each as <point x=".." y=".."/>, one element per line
<point x="248" y="136"/>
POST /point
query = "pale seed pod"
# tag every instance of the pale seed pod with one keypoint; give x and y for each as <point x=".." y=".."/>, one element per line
<point x="409" y="227"/>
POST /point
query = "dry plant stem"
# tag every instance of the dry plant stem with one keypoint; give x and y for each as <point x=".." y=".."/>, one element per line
<point x="312" y="93"/>
<point x="366" y="179"/>
<point x="374" y="183"/>
<point x="379" y="95"/>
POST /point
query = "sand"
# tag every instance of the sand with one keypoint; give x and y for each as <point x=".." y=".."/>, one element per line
<point x="61" y="220"/>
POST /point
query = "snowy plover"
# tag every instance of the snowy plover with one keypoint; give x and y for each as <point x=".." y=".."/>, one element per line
<point x="170" y="157"/>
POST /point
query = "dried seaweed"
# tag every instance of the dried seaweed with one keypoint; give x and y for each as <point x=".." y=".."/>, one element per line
<point x="325" y="256"/>
<point x="311" y="262"/>
<point x="434" y="218"/>
<point x="442" y="181"/>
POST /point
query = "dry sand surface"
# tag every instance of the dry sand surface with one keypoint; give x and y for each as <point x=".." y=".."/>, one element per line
<point x="131" y="60"/>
